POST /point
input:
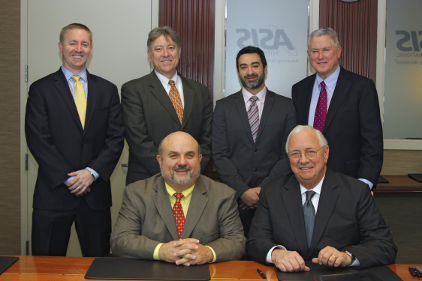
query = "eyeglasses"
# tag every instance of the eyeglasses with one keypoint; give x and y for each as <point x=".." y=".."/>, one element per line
<point x="310" y="153"/>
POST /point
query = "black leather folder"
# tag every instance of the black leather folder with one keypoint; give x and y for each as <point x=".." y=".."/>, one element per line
<point x="123" y="269"/>
<point x="6" y="262"/>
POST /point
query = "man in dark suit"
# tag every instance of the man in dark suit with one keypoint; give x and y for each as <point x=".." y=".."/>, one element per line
<point x="208" y="227"/>
<point x="74" y="129"/>
<point x="153" y="108"/>
<point x="249" y="156"/>
<point x="317" y="214"/>
<point x="345" y="110"/>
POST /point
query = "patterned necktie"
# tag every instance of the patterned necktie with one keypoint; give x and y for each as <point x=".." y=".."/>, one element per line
<point x="176" y="100"/>
<point x="321" y="109"/>
<point x="80" y="99"/>
<point x="179" y="216"/>
<point x="309" y="215"/>
<point x="253" y="116"/>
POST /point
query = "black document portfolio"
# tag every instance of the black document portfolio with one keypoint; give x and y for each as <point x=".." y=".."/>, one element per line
<point x="6" y="262"/>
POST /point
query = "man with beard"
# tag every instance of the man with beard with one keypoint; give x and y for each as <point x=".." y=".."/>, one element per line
<point x="249" y="133"/>
<point x="179" y="216"/>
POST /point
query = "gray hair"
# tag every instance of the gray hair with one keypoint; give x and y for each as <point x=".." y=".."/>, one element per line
<point x="325" y="31"/>
<point x="299" y="128"/>
<point x="163" y="30"/>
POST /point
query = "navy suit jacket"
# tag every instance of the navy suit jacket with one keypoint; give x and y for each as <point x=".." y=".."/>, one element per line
<point x="60" y="145"/>
<point x="353" y="126"/>
<point x="149" y="117"/>
<point x="347" y="219"/>
<point x="241" y="162"/>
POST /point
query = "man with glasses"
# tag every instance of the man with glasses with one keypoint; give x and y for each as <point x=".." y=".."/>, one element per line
<point x="317" y="214"/>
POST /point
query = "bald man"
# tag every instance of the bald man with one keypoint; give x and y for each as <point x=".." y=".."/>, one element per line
<point x="178" y="215"/>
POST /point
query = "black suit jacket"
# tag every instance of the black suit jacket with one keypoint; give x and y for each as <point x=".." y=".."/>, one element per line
<point x="353" y="126"/>
<point x="347" y="219"/>
<point x="149" y="117"/>
<point x="240" y="162"/>
<point x="59" y="144"/>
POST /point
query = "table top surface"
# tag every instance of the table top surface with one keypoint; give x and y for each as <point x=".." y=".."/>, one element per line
<point x="399" y="184"/>
<point x="75" y="268"/>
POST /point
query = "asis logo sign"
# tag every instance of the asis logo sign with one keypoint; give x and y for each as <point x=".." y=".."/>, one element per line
<point x="268" y="39"/>
<point x="410" y="42"/>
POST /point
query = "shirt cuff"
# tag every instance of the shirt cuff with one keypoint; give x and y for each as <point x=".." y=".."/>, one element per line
<point x="214" y="256"/>
<point x="155" y="256"/>
<point x="68" y="180"/>
<point x="93" y="173"/>
<point x="370" y="184"/>
<point x="268" y="259"/>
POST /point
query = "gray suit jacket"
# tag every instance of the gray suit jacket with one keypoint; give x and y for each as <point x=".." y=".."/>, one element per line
<point x="149" y="117"/>
<point x="241" y="162"/>
<point x="146" y="219"/>
<point x="347" y="219"/>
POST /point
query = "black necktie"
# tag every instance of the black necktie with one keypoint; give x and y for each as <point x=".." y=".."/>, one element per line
<point x="309" y="214"/>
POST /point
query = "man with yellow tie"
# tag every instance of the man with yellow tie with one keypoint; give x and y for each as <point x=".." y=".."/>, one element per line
<point x="74" y="129"/>
<point x="178" y="215"/>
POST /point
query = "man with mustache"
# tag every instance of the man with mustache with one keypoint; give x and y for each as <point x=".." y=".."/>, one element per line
<point x="179" y="216"/>
<point x="249" y="133"/>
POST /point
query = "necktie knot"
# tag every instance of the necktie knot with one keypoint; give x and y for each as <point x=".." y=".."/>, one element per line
<point x="171" y="82"/>
<point x="309" y="195"/>
<point x="322" y="84"/>
<point x="76" y="78"/>
<point x="253" y="99"/>
<point x="178" y="196"/>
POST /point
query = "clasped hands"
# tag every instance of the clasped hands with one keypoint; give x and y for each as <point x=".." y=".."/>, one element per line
<point x="250" y="198"/>
<point x="80" y="185"/>
<point x="290" y="261"/>
<point x="185" y="252"/>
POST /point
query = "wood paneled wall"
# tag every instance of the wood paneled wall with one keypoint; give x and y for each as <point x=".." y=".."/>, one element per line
<point x="194" y="21"/>
<point x="10" y="234"/>
<point x="356" y="26"/>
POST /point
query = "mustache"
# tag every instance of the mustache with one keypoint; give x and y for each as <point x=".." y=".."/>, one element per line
<point x="250" y="76"/>
<point x="185" y="167"/>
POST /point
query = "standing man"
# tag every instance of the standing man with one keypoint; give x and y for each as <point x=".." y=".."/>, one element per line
<point x="74" y="129"/>
<point x="249" y="133"/>
<point x="163" y="102"/>
<point x="318" y="215"/>
<point x="179" y="216"/>
<point x="344" y="107"/>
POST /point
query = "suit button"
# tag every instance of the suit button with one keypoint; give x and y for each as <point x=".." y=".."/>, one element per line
<point x="255" y="169"/>
<point x="256" y="150"/>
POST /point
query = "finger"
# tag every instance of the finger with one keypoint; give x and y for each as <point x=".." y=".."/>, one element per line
<point x="332" y="259"/>
<point x="183" y="261"/>
<point x="306" y="268"/>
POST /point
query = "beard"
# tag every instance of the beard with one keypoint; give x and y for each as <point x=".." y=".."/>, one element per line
<point x="169" y="176"/>
<point x="254" y="84"/>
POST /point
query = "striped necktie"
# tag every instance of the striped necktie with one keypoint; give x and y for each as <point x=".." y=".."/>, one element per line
<point x="253" y="117"/>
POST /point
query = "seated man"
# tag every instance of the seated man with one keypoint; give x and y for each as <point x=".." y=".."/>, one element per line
<point x="317" y="214"/>
<point x="154" y="223"/>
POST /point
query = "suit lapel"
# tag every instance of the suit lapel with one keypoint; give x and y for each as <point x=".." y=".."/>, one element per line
<point x="240" y="105"/>
<point x="327" y="202"/>
<point x="303" y="113"/>
<point x="163" y="205"/>
<point x="93" y="93"/>
<point x="196" y="207"/>
<point x="340" y="92"/>
<point x="294" y="210"/>
<point x="63" y="88"/>
<point x="268" y="105"/>
<point x="189" y="96"/>
<point x="160" y="93"/>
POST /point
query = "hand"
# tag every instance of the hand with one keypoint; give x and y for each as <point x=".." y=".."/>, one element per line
<point x="81" y="183"/>
<point x="288" y="261"/>
<point x="200" y="255"/>
<point x="332" y="257"/>
<point x="250" y="198"/>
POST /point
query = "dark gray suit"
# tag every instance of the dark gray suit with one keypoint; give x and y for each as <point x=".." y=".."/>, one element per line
<point x="347" y="219"/>
<point x="149" y="117"/>
<point x="146" y="219"/>
<point x="242" y="163"/>
<point x="353" y="126"/>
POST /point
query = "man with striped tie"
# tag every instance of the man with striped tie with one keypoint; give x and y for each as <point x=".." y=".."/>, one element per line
<point x="249" y="132"/>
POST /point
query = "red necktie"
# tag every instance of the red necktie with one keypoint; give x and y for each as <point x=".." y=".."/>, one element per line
<point x="176" y="100"/>
<point x="179" y="216"/>
<point x="321" y="109"/>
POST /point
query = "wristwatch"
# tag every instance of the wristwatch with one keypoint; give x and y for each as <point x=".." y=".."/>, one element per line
<point x="352" y="256"/>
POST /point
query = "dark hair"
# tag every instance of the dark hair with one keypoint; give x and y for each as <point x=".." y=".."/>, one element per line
<point x="251" y="50"/>
<point x="75" y="26"/>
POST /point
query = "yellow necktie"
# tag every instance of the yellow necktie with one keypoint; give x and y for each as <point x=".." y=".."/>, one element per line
<point x="80" y="99"/>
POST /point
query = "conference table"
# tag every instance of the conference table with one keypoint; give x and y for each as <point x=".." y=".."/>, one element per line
<point x="74" y="268"/>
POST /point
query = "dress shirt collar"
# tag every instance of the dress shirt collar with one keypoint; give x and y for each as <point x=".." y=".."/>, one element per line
<point x="165" y="81"/>
<point x="317" y="188"/>
<point x="261" y="95"/>
<point x="186" y="193"/>
<point x="68" y="74"/>
<point x="331" y="81"/>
